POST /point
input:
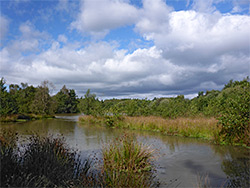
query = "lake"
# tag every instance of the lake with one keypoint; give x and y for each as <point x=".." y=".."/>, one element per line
<point x="179" y="161"/>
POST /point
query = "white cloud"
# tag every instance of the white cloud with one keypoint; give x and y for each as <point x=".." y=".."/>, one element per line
<point x="98" y="17"/>
<point x="204" y="6"/>
<point x="198" y="39"/>
<point x="154" y="17"/>
<point x="62" y="38"/>
<point x="108" y="70"/>
<point x="4" y="24"/>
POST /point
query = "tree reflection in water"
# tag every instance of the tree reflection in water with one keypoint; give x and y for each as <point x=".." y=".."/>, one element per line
<point x="238" y="172"/>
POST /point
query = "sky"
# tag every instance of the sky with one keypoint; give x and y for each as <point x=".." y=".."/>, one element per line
<point x="126" y="48"/>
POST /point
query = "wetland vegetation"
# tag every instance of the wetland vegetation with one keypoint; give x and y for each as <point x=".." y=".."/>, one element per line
<point x="221" y="116"/>
<point x="49" y="162"/>
<point x="173" y="116"/>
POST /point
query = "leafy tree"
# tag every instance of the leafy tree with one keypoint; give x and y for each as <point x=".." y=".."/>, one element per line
<point x="8" y="103"/>
<point x="234" y="104"/>
<point x="66" y="101"/>
<point x="25" y="98"/>
<point x="89" y="104"/>
<point x="42" y="103"/>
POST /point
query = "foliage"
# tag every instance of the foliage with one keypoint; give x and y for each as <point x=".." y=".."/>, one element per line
<point x="234" y="102"/>
<point x="42" y="100"/>
<point x="66" y="101"/>
<point x="231" y="107"/>
<point x="26" y="99"/>
<point x="127" y="163"/>
<point x="8" y="103"/>
<point x="89" y="105"/>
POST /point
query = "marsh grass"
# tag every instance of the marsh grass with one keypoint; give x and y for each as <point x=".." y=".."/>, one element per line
<point x="44" y="162"/>
<point x="49" y="162"/>
<point x="91" y="120"/>
<point x="199" y="127"/>
<point x="127" y="163"/>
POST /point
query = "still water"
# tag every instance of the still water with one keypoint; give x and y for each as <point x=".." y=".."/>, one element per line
<point x="180" y="162"/>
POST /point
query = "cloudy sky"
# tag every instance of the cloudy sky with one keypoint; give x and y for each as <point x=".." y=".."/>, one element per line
<point x="126" y="48"/>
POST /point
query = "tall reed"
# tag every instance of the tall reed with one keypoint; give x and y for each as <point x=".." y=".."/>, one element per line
<point x="43" y="162"/>
<point x="127" y="163"/>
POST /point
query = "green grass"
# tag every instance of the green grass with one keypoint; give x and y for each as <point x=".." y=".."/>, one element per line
<point x="127" y="163"/>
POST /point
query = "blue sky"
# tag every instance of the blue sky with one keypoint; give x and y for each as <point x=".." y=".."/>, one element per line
<point x="126" y="48"/>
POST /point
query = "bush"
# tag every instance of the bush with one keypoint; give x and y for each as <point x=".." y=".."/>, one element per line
<point x="235" y="113"/>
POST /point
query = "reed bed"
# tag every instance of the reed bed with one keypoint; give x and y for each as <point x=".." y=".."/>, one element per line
<point x="189" y="127"/>
<point x="196" y="127"/>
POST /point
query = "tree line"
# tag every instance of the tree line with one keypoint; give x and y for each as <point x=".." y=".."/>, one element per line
<point x="28" y="99"/>
<point x="233" y="97"/>
<point x="25" y="99"/>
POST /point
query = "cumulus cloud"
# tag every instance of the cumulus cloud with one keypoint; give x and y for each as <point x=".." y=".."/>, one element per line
<point x="98" y="17"/>
<point x="13" y="54"/>
<point x="29" y="41"/>
<point x="154" y="17"/>
<point x="109" y="70"/>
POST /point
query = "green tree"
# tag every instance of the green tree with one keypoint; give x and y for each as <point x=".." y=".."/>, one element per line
<point x="42" y="101"/>
<point x="89" y="104"/>
<point x="66" y="101"/>
<point x="234" y="104"/>
<point x="25" y="98"/>
<point x="8" y="103"/>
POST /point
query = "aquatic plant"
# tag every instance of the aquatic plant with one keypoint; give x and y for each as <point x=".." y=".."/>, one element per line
<point x="43" y="162"/>
<point x="127" y="163"/>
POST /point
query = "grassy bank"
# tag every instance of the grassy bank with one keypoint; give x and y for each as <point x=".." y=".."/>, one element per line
<point x="23" y="117"/>
<point x="199" y="127"/>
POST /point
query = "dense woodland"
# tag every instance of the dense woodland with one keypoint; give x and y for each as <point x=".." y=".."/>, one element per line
<point x="231" y="105"/>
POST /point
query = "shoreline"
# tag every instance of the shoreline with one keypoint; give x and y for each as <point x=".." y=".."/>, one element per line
<point x="24" y="117"/>
<point x="206" y="128"/>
